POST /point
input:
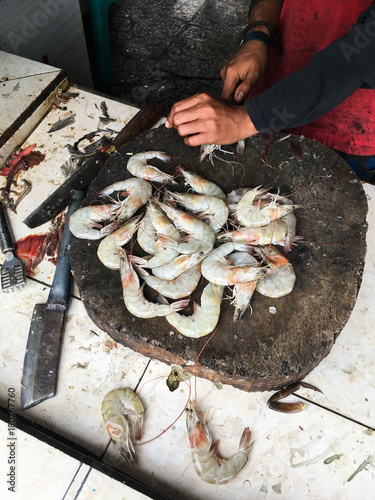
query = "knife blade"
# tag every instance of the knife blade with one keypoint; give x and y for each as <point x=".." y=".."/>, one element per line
<point x="41" y="359"/>
<point x="81" y="178"/>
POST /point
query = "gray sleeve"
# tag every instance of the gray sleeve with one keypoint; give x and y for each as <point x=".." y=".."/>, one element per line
<point x="332" y="75"/>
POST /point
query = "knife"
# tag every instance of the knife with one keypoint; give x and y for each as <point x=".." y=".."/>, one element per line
<point x="43" y="344"/>
<point x="81" y="178"/>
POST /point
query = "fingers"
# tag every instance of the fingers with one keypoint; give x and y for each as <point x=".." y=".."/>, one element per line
<point x="177" y="116"/>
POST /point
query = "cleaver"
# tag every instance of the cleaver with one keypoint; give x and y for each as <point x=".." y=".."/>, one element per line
<point x="43" y="344"/>
<point x="82" y="177"/>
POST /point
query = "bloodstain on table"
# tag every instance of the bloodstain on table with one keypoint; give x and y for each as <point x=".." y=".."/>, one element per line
<point x="263" y="350"/>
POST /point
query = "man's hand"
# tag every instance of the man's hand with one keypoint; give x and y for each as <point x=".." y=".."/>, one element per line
<point x="243" y="70"/>
<point x="202" y="119"/>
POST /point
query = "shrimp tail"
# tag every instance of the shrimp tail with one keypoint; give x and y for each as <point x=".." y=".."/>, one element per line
<point x="168" y="242"/>
<point x="245" y="444"/>
<point x="180" y="304"/>
<point x="119" y="435"/>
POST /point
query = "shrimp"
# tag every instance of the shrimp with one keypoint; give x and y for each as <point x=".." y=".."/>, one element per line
<point x="134" y="299"/>
<point x="138" y="192"/>
<point x="208" y="465"/>
<point x="176" y="267"/>
<point x="274" y="232"/>
<point x="180" y="287"/>
<point x="161" y="222"/>
<point x="242" y="292"/>
<point x="250" y="215"/>
<point x="108" y="247"/>
<point x="119" y="406"/>
<point x="209" y="208"/>
<point x="201" y="236"/>
<point x="291" y="223"/>
<point x="208" y="150"/>
<point x="138" y="166"/>
<point x="205" y="317"/>
<point x="201" y="185"/>
<point x="86" y="222"/>
<point x="218" y="270"/>
<point x="282" y="282"/>
<point x="147" y="234"/>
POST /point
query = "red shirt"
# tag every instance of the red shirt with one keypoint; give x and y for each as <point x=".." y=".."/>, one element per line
<point x="309" y="26"/>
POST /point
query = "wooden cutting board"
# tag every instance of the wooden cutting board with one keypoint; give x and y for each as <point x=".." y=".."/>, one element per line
<point x="283" y="339"/>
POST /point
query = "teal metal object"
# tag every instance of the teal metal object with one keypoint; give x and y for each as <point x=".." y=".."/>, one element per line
<point x="99" y="19"/>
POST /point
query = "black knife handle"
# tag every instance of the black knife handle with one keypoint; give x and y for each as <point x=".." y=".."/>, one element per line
<point x="59" y="294"/>
<point x="6" y="240"/>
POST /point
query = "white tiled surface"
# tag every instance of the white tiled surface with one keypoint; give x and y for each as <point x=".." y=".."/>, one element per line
<point x="21" y="82"/>
<point x="318" y="453"/>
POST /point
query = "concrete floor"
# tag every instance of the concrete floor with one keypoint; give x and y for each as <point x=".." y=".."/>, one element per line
<point x="171" y="49"/>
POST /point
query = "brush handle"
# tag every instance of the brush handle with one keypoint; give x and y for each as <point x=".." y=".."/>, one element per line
<point x="6" y="240"/>
<point x="59" y="294"/>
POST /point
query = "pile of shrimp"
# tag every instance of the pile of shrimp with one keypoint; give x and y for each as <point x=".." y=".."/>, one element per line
<point x="230" y="240"/>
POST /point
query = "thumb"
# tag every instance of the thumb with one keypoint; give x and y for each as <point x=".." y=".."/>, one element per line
<point x="243" y="90"/>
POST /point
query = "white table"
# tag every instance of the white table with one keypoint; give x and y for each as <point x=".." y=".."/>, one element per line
<point x="327" y="451"/>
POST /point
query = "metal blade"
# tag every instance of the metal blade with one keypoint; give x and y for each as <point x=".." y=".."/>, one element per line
<point x="42" y="355"/>
<point x="81" y="178"/>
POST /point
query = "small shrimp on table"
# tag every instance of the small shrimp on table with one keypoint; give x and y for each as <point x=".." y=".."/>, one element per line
<point x="87" y="222"/>
<point x="282" y="282"/>
<point x="201" y="185"/>
<point x="242" y="292"/>
<point x="216" y="269"/>
<point x="209" y="208"/>
<point x="180" y="287"/>
<point x="109" y="246"/>
<point x="174" y="268"/>
<point x="138" y="166"/>
<point x="205" y="317"/>
<point x="255" y="214"/>
<point x="208" y="465"/>
<point x="138" y="192"/>
<point x="135" y="301"/>
<point x="201" y="236"/>
<point x="275" y="232"/>
<point x="118" y="407"/>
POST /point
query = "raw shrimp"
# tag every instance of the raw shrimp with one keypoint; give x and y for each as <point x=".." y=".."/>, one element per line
<point x="108" y="247"/>
<point x="119" y="406"/>
<point x="242" y="292"/>
<point x="138" y="166"/>
<point x="174" y="268"/>
<point x="200" y="235"/>
<point x="86" y="222"/>
<point x="201" y="185"/>
<point x="205" y="317"/>
<point x="208" y="465"/>
<point x="291" y="223"/>
<point x="208" y="150"/>
<point x="138" y="192"/>
<point x="216" y="269"/>
<point x="255" y="215"/>
<point x="162" y="256"/>
<point x="274" y="232"/>
<point x="147" y="235"/>
<point x="209" y="208"/>
<point x="134" y="299"/>
<point x="282" y="282"/>
<point x="180" y="287"/>
<point x="161" y="222"/>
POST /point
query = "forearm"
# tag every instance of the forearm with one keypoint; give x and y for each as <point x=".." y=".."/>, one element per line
<point x="267" y="11"/>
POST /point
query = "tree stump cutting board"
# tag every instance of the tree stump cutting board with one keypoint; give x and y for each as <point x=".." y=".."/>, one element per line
<point x="281" y="340"/>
